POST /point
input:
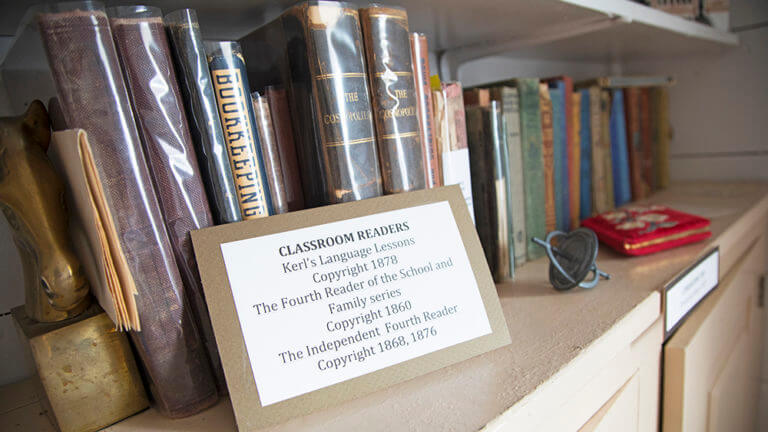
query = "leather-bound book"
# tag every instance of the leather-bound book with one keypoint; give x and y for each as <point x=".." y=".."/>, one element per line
<point x="393" y="97"/>
<point x="421" y="78"/>
<point x="281" y="123"/>
<point x="230" y="85"/>
<point x="634" y="142"/>
<point x="622" y="193"/>
<point x="533" y="164"/>
<point x="274" y="169"/>
<point x="202" y="113"/>
<point x="81" y="54"/>
<point x="646" y="141"/>
<point x="142" y="47"/>
<point x="602" y="196"/>
<point x="510" y="104"/>
<point x="484" y="136"/>
<point x="548" y="157"/>
<point x="315" y="51"/>
<point x="574" y="170"/>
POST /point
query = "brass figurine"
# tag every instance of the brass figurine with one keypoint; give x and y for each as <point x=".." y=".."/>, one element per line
<point x="32" y="198"/>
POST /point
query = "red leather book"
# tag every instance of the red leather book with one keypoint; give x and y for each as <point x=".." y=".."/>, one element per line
<point x="642" y="230"/>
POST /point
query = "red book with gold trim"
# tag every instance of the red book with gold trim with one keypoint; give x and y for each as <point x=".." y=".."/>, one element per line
<point x="642" y="230"/>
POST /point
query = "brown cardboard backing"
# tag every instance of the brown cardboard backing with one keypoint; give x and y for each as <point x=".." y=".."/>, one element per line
<point x="249" y="413"/>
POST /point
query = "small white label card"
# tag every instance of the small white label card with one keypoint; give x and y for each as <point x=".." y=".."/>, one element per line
<point x="687" y="290"/>
<point x="317" y="307"/>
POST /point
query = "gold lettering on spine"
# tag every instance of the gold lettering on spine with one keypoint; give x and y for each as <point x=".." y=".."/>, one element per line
<point x="238" y="132"/>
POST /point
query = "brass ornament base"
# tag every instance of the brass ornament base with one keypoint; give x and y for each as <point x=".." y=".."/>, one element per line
<point x="88" y="375"/>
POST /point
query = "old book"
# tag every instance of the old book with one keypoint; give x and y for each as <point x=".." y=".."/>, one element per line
<point x="660" y="111"/>
<point x="230" y="85"/>
<point x="574" y="163"/>
<point x="142" y="47"/>
<point x="81" y="54"/>
<point x="501" y="155"/>
<point x="510" y="104"/>
<point x="563" y="148"/>
<point x="315" y="51"/>
<point x="605" y="142"/>
<point x="560" y="157"/>
<point x="585" y="166"/>
<point x="451" y="135"/>
<point x="272" y="165"/>
<point x="634" y="142"/>
<point x="477" y="97"/>
<point x="630" y="81"/>
<point x="548" y="157"/>
<point x="393" y="97"/>
<point x="646" y="141"/>
<point x="533" y="164"/>
<point x="621" y="184"/>
<point x="602" y="196"/>
<point x="202" y="114"/>
<point x="281" y="123"/>
<point x="484" y="136"/>
<point x="421" y="76"/>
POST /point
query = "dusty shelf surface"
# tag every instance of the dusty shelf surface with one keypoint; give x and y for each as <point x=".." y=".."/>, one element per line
<point x="549" y="329"/>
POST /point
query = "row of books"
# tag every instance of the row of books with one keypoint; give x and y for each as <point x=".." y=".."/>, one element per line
<point x="549" y="153"/>
<point x="325" y="104"/>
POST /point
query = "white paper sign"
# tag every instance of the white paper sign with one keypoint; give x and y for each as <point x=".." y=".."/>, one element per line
<point x="324" y="304"/>
<point x="687" y="292"/>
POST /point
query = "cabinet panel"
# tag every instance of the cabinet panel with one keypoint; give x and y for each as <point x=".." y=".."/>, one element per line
<point x="711" y="365"/>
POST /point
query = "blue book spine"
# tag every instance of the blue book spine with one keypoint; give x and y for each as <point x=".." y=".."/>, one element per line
<point x="559" y="133"/>
<point x="622" y="191"/>
<point x="585" y="138"/>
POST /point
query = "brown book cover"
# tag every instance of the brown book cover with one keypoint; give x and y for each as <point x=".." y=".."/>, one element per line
<point x="477" y="97"/>
<point x="315" y="51"/>
<point x="84" y="64"/>
<point x="660" y="112"/>
<point x="575" y="160"/>
<point x="272" y="165"/>
<point x="281" y="123"/>
<point x="601" y="200"/>
<point x="144" y="53"/>
<point x="646" y="142"/>
<point x="634" y="141"/>
<point x="421" y="77"/>
<point x="393" y="97"/>
<point x="548" y="156"/>
<point x="605" y="141"/>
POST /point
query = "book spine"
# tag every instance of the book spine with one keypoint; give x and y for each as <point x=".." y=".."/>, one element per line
<point x="202" y="113"/>
<point x="560" y="156"/>
<point x="585" y="167"/>
<point x="281" y="124"/>
<point x="572" y="196"/>
<point x="605" y="143"/>
<point x="533" y="164"/>
<point x="393" y="96"/>
<point x="230" y="85"/>
<point x="661" y="114"/>
<point x="634" y="146"/>
<point x="548" y="157"/>
<point x="421" y="74"/>
<point x="451" y="134"/>
<point x="84" y="65"/>
<point x="601" y="201"/>
<point x="574" y="161"/>
<point x="503" y="193"/>
<point x="646" y="142"/>
<point x="511" y="110"/>
<point x="142" y="46"/>
<point x="342" y="151"/>
<point x="488" y="186"/>
<point x="272" y="165"/>
<point x="621" y="183"/>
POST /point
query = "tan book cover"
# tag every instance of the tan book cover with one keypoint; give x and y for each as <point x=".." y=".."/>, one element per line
<point x="548" y="155"/>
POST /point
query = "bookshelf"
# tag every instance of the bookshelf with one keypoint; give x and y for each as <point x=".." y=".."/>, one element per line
<point x="599" y="31"/>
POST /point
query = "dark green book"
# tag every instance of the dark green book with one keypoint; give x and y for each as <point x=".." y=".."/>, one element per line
<point x="533" y="166"/>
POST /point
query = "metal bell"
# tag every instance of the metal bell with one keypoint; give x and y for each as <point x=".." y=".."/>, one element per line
<point x="572" y="258"/>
